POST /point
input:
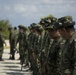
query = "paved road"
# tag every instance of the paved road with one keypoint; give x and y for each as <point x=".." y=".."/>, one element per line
<point x="11" y="67"/>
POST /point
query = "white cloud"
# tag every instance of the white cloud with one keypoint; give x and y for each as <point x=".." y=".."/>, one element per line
<point x="7" y="8"/>
<point x="19" y="8"/>
<point x="28" y="7"/>
<point x="37" y="8"/>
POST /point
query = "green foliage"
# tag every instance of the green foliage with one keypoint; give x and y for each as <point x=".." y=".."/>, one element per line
<point x="5" y="24"/>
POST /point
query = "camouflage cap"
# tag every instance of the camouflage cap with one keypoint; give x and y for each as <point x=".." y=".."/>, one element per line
<point x="39" y="28"/>
<point x="65" y="22"/>
<point x="49" y="21"/>
<point x="9" y="28"/>
<point x="50" y="27"/>
<point x="33" y="25"/>
<point x="51" y="24"/>
<point x="20" y="26"/>
<point x="24" y="28"/>
<point x="15" y="27"/>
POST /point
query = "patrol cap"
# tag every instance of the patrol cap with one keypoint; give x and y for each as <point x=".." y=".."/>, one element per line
<point x="33" y="26"/>
<point x="9" y="28"/>
<point x="15" y="28"/>
<point x="44" y="22"/>
<point x="39" y="28"/>
<point x="51" y="24"/>
<point x="65" y="21"/>
<point x="20" y="26"/>
<point x="24" y="28"/>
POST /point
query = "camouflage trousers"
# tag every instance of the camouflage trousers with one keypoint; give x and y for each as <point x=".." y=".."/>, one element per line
<point x="54" y="71"/>
<point x="1" y="52"/>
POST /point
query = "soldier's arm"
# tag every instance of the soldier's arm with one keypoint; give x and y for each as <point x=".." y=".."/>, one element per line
<point x="3" y="39"/>
<point x="74" y="72"/>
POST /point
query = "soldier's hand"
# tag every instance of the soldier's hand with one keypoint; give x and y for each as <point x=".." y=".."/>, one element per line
<point x="37" y="61"/>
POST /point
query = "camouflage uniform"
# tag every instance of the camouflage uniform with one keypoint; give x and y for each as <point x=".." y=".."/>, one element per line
<point x="45" y="45"/>
<point x="54" y="49"/>
<point x="2" y="41"/>
<point x="31" y="46"/>
<point x="10" y="35"/>
<point x="25" y="47"/>
<point x="68" y="52"/>
<point x="38" y="49"/>
<point x="13" y="40"/>
<point x="21" y="41"/>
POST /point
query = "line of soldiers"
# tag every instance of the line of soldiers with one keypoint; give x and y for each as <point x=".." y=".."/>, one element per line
<point x="48" y="48"/>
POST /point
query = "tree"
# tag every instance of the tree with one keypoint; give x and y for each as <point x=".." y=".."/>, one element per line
<point x="5" y="24"/>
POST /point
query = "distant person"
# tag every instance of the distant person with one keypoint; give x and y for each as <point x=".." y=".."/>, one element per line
<point x="2" y="41"/>
<point x="10" y="35"/>
<point x="13" y="39"/>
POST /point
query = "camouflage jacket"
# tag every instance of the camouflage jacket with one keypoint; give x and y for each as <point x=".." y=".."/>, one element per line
<point x="2" y="39"/>
<point x="53" y="52"/>
<point x="68" y="57"/>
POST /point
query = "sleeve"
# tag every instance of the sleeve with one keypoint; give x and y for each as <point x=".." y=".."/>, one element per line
<point x="2" y="37"/>
<point x="74" y="72"/>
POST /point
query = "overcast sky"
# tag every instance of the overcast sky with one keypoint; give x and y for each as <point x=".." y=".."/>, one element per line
<point x="28" y="11"/>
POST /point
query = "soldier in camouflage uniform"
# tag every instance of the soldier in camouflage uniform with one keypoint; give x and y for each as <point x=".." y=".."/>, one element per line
<point x="2" y="41"/>
<point x="54" y="49"/>
<point x="14" y="36"/>
<point x="45" y="44"/>
<point x="32" y="46"/>
<point x="25" y="56"/>
<point x="10" y="35"/>
<point x="22" y="44"/>
<point x="67" y="53"/>
<point x="38" y="50"/>
<point x="20" y="40"/>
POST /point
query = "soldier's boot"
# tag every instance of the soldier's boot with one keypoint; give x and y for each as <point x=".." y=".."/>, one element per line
<point x="13" y="57"/>
<point x="1" y="58"/>
<point x="10" y="56"/>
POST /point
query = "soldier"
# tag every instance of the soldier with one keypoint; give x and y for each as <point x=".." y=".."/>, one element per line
<point x="2" y="41"/>
<point x="38" y="50"/>
<point x="68" y="51"/>
<point x="46" y="41"/>
<point x="22" y="44"/>
<point x="10" y="35"/>
<point x="20" y="40"/>
<point x="31" y="44"/>
<point x="13" y="38"/>
<point x="52" y="66"/>
<point x="25" y="46"/>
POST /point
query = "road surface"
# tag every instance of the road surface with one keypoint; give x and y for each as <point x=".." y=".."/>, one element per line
<point x="11" y="67"/>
